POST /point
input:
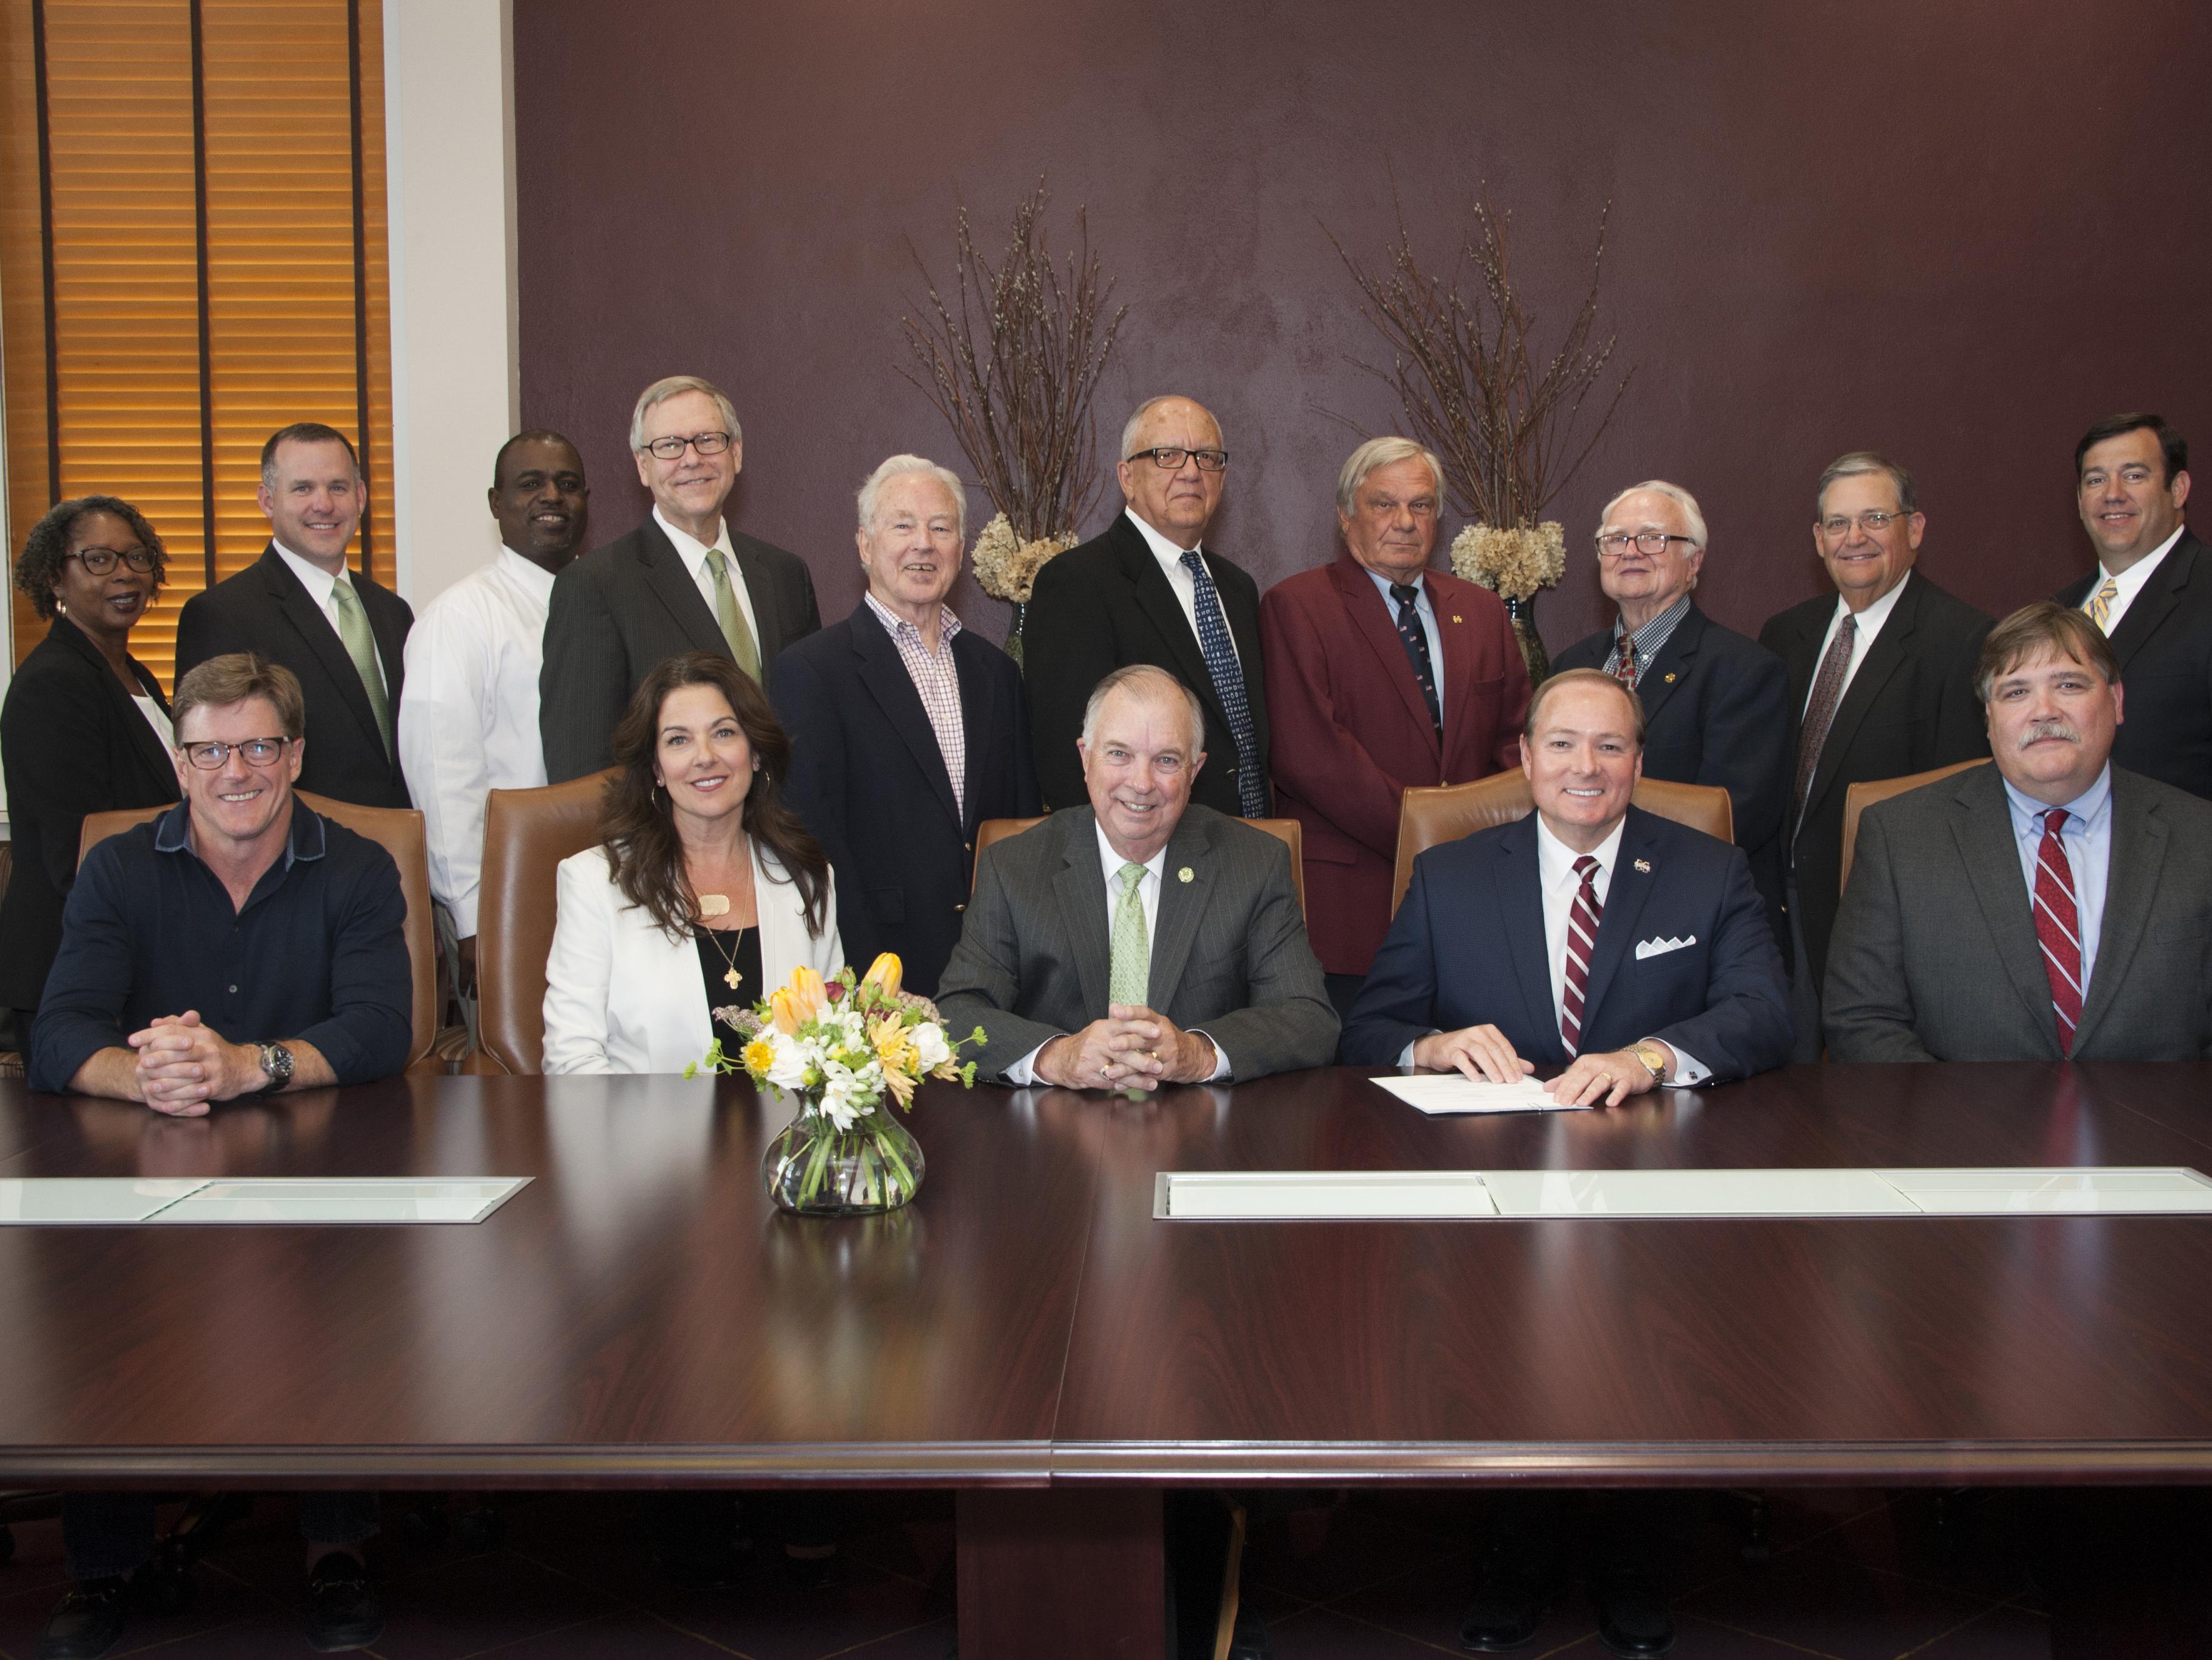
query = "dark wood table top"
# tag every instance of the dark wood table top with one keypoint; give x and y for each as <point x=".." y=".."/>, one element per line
<point x="639" y="1315"/>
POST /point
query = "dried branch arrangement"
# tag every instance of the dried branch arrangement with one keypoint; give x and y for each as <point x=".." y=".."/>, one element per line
<point x="1011" y="356"/>
<point x="1465" y="369"/>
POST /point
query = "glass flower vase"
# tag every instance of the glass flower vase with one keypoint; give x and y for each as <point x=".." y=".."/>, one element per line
<point x="814" y="1169"/>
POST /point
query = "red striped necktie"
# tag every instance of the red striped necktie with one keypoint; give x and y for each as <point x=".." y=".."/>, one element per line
<point x="2058" y="928"/>
<point x="1582" y="944"/>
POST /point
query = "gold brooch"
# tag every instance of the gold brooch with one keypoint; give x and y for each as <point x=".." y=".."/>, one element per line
<point x="1643" y="865"/>
<point x="1184" y="874"/>
<point x="1669" y="679"/>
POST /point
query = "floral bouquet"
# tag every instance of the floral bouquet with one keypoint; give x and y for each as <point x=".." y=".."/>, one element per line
<point x="841" y="1046"/>
<point x="1006" y="567"/>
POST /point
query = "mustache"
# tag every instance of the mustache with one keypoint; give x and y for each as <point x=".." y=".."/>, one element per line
<point x="2052" y="726"/>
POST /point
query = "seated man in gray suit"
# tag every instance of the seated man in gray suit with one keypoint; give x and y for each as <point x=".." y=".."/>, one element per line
<point x="1140" y="941"/>
<point x="2052" y="907"/>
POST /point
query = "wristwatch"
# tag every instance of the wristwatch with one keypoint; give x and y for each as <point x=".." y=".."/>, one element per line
<point x="1654" y="1058"/>
<point x="277" y="1061"/>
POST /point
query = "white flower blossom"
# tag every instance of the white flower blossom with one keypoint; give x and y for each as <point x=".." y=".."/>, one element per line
<point x="929" y="1045"/>
<point x="790" y="1064"/>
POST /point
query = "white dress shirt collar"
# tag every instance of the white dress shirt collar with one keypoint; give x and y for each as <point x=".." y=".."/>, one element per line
<point x="1163" y="550"/>
<point x="2133" y="580"/>
<point x="1148" y="889"/>
<point x="1555" y="861"/>
<point x="1869" y="622"/>
<point x="313" y="577"/>
<point x="535" y="579"/>
<point x="690" y="550"/>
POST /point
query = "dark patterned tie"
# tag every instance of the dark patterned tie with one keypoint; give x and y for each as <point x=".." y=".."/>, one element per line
<point x="1415" y="639"/>
<point x="1624" y="668"/>
<point x="1582" y="943"/>
<point x="1821" y="713"/>
<point x="2058" y="928"/>
<point x="1221" y="665"/>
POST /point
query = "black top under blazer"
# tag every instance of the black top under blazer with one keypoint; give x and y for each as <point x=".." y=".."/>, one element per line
<point x="622" y="609"/>
<point x="264" y="609"/>
<point x="71" y="743"/>
<point x="2163" y="643"/>
<point x="1716" y="712"/>
<point x="1106" y="604"/>
<point x="1910" y="708"/>
<point x="868" y="778"/>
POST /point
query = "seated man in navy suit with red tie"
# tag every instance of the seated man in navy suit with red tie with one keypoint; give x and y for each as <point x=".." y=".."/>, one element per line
<point x="1635" y="953"/>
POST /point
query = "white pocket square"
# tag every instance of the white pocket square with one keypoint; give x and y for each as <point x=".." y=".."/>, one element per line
<point x="1660" y="947"/>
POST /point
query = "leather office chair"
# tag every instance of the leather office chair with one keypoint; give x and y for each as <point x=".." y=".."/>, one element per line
<point x="1288" y="830"/>
<point x="527" y="833"/>
<point x="400" y="830"/>
<point x="1430" y="816"/>
<point x="1857" y="797"/>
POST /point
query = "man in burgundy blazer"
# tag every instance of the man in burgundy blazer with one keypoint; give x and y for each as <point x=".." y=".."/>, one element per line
<point x="1382" y="674"/>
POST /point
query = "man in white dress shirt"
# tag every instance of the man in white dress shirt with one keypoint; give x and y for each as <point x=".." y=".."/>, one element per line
<point x="469" y="719"/>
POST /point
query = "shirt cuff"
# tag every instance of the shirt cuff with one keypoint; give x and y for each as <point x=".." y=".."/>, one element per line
<point x="1023" y="1071"/>
<point x="1688" y="1072"/>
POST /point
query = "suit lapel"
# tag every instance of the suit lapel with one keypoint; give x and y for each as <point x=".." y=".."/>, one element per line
<point x="145" y="743"/>
<point x="1519" y="876"/>
<point x="1668" y="672"/>
<point x="975" y="724"/>
<point x="1371" y="619"/>
<point x="883" y="673"/>
<point x="1080" y="888"/>
<point x="2157" y="600"/>
<point x="1149" y="586"/>
<point x="1883" y="658"/>
<point x="1181" y="905"/>
<point x="1625" y="891"/>
<point x="314" y="627"/>
<point x="1981" y="825"/>
<point x="2138" y="856"/>
<point x="672" y="586"/>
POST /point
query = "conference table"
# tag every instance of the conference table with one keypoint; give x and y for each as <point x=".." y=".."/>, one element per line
<point x="1028" y="1333"/>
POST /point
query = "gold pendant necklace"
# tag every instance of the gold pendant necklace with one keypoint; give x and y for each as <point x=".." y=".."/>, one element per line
<point x="714" y="904"/>
<point x="732" y="979"/>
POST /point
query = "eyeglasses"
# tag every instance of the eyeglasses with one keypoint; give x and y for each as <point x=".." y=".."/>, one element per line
<point x="1873" y="522"/>
<point x="258" y="751"/>
<point x="98" y="562"/>
<point x="1171" y="458"/>
<point x="1652" y="542"/>
<point x="671" y="447"/>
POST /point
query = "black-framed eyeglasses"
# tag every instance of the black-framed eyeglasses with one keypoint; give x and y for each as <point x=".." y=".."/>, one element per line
<point x="258" y="751"/>
<point x="1651" y="542"/>
<point x="671" y="447"/>
<point x="1873" y="522"/>
<point x="98" y="561"/>
<point x="1169" y="457"/>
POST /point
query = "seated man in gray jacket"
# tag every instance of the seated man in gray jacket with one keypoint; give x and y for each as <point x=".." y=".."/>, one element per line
<point x="1140" y="941"/>
<point x="2050" y="907"/>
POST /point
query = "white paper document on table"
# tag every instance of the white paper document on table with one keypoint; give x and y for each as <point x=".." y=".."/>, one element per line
<point x="1440" y="1093"/>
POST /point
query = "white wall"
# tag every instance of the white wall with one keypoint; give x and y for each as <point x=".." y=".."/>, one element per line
<point x="456" y="387"/>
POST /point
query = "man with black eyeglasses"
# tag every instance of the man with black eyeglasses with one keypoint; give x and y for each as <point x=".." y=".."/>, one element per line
<point x="683" y="580"/>
<point x="1147" y="591"/>
<point x="1881" y="685"/>
<point x="239" y="945"/>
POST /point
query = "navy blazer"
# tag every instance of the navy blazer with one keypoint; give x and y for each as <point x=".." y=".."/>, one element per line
<point x="265" y="609"/>
<point x="1716" y="711"/>
<point x="1467" y="949"/>
<point x="869" y="779"/>
<point x="2163" y="643"/>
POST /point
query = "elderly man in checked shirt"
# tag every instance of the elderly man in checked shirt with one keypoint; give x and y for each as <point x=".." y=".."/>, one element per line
<point x="907" y="730"/>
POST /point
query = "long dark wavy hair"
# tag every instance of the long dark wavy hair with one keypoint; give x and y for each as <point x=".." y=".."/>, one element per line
<point x="639" y="828"/>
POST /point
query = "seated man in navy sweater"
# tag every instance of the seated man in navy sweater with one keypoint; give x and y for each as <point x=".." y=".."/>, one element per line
<point x="1635" y="953"/>
<point x="239" y="945"/>
<point x="1629" y="949"/>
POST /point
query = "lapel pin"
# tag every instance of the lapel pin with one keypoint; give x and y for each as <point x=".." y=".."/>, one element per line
<point x="1184" y="874"/>
<point x="1669" y="679"/>
<point x="1643" y="867"/>
<point x="1455" y="616"/>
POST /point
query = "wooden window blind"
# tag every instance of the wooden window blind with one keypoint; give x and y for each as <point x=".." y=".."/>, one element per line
<point x="191" y="255"/>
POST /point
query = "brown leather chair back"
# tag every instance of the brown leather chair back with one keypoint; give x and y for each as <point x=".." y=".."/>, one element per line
<point x="399" y="831"/>
<point x="1431" y="816"/>
<point x="1857" y="797"/>
<point x="527" y="833"/>
<point x="1283" y="829"/>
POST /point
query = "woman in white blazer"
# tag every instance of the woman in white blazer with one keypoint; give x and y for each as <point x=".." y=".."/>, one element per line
<point x="706" y="883"/>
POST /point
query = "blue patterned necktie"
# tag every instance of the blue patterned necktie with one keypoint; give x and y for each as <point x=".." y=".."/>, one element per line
<point x="1228" y="686"/>
<point x="1416" y="639"/>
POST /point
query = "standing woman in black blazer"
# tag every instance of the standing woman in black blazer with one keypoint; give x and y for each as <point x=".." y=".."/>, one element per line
<point x="85" y="728"/>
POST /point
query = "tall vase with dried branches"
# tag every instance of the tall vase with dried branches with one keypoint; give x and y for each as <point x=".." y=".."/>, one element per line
<point x="1012" y="360"/>
<point x="1506" y="422"/>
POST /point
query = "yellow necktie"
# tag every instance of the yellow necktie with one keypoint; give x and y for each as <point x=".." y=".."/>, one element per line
<point x="2100" y="603"/>
<point x="742" y="645"/>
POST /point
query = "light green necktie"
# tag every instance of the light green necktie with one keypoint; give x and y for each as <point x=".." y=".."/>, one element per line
<point x="1130" y="980"/>
<point x="2100" y="605"/>
<point x="742" y="645"/>
<point x="361" y="646"/>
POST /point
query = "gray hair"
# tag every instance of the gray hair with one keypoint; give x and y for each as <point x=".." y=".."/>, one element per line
<point x="675" y="385"/>
<point x="1137" y="419"/>
<point x="1382" y="453"/>
<point x="899" y="467"/>
<point x="1864" y="461"/>
<point x="1674" y="493"/>
<point x="1145" y="678"/>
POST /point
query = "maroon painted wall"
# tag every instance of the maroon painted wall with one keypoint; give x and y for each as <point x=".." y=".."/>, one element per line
<point x="1956" y="233"/>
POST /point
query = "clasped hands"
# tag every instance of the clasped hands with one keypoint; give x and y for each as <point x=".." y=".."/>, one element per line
<point x="1483" y="1054"/>
<point x="1132" y="1049"/>
<point x="183" y="1066"/>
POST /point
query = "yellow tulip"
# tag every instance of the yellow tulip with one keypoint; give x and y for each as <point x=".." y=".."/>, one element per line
<point x="884" y="973"/>
<point x="783" y="1009"/>
<point x="807" y="993"/>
